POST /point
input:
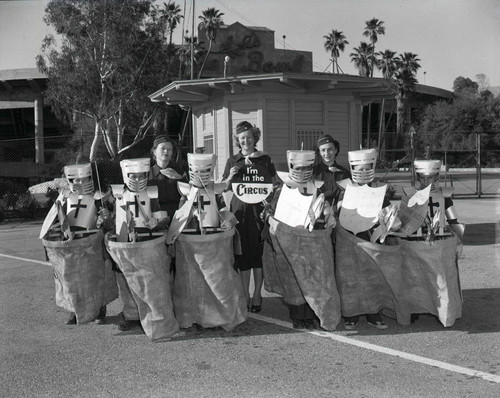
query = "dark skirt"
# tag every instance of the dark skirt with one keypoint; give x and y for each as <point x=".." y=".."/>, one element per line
<point x="250" y="228"/>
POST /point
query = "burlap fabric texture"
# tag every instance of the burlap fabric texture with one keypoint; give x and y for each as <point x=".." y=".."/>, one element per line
<point x="299" y="266"/>
<point x="146" y="267"/>
<point x="84" y="280"/>
<point x="207" y="289"/>
<point x="431" y="277"/>
<point x="408" y="277"/>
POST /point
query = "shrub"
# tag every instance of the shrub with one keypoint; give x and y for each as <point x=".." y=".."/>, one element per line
<point x="26" y="206"/>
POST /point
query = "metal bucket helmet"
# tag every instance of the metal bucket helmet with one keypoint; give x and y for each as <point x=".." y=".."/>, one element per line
<point x="300" y="165"/>
<point x="427" y="173"/>
<point x="201" y="167"/>
<point x="133" y="166"/>
<point x="362" y="165"/>
<point x="79" y="178"/>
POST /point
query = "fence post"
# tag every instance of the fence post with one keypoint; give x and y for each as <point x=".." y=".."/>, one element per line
<point x="412" y="144"/>
<point x="478" y="165"/>
<point x="445" y="169"/>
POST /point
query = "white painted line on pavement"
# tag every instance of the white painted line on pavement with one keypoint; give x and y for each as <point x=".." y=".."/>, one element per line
<point x="354" y="342"/>
<point x="26" y="259"/>
<point x="384" y="350"/>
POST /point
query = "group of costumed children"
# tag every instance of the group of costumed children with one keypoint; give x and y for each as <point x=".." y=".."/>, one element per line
<point x="333" y="246"/>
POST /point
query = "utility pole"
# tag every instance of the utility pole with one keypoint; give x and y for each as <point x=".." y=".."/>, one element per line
<point x="192" y="44"/>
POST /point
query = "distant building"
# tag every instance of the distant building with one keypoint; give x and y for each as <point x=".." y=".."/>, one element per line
<point x="277" y="91"/>
<point x="251" y="50"/>
<point x="25" y="123"/>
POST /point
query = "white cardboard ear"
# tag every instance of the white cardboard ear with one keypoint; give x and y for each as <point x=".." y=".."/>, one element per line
<point x="50" y="217"/>
<point x="360" y="207"/>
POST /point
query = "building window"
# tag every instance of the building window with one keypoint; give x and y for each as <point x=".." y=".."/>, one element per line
<point x="307" y="139"/>
<point x="208" y="143"/>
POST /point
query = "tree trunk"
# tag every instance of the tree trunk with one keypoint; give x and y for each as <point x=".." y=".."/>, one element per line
<point x="205" y="60"/>
<point x="401" y="104"/>
<point x="95" y="142"/>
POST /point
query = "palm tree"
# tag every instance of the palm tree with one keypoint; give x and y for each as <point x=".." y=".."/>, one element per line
<point x="170" y="14"/>
<point x="387" y="63"/>
<point x="363" y="57"/>
<point x="405" y="78"/>
<point x="373" y="28"/>
<point x="211" y="21"/>
<point x="334" y="43"/>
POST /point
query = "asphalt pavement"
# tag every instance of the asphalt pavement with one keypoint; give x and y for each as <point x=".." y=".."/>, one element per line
<point x="41" y="356"/>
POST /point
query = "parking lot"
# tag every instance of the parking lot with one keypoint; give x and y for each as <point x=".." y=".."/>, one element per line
<point x="264" y="357"/>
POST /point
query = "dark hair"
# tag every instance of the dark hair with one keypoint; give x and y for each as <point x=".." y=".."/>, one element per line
<point x="326" y="139"/>
<point x="163" y="138"/>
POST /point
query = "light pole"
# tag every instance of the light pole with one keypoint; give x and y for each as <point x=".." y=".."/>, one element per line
<point x="284" y="38"/>
<point x="424" y="76"/>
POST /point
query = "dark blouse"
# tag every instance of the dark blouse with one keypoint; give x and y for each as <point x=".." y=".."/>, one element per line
<point x="168" y="193"/>
<point x="330" y="188"/>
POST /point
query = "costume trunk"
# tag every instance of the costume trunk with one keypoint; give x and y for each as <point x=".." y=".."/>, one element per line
<point x="146" y="268"/>
<point x="84" y="280"/>
<point x="299" y="266"/>
<point x="207" y="289"/>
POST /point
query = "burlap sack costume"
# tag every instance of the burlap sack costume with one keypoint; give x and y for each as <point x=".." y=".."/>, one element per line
<point x="84" y="281"/>
<point x="207" y="289"/>
<point x="146" y="267"/>
<point x="408" y="277"/>
<point x="431" y="278"/>
<point x="299" y="266"/>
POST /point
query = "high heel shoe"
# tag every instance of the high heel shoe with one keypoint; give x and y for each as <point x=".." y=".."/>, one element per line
<point x="256" y="308"/>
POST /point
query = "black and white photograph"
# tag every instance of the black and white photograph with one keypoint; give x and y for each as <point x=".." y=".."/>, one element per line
<point x="249" y="198"/>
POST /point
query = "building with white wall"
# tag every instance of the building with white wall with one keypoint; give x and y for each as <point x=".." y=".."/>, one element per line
<point x="292" y="110"/>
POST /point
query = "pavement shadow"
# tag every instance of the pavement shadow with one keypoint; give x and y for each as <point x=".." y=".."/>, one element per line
<point x="479" y="315"/>
<point x="271" y="306"/>
<point x="482" y="234"/>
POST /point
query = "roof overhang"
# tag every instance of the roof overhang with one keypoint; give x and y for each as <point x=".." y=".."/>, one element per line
<point x="433" y="91"/>
<point x="190" y="92"/>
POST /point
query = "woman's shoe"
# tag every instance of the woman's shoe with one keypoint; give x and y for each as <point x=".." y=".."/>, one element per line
<point x="256" y="308"/>
<point x="375" y="320"/>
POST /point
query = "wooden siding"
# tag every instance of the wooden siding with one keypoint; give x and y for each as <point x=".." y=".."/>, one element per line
<point x="197" y="130"/>
<point x="277" y="121"/>
<point x="309" y="113"/>
<point x="338" y="127"/>
<point x="221" y="147"/>
<point x="241" y="111"/>
<point x="284" y="121"/>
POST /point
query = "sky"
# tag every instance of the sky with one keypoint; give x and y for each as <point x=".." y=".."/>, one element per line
<point x="452" y="38"/>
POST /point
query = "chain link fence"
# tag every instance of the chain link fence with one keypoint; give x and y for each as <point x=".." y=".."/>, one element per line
<point x="28" y="189"/>
<point x="471" y="161"/>
<point x="471" y="165"/>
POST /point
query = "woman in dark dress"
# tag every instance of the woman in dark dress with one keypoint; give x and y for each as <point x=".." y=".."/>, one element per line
<point x="250" y="224"/>
<point x="328" y="170"/>
<point x="164" y="174"/>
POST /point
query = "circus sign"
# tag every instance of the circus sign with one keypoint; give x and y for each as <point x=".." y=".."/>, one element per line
<point x="252" y="184"/>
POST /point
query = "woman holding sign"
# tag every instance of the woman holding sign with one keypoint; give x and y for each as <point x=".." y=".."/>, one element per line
<point x="250" y="175"/>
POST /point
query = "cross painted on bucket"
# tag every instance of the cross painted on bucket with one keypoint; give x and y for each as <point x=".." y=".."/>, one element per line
<point x="201" y="205"/>
<point x="135" y="203"/>
<point x="78" y="206"/>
